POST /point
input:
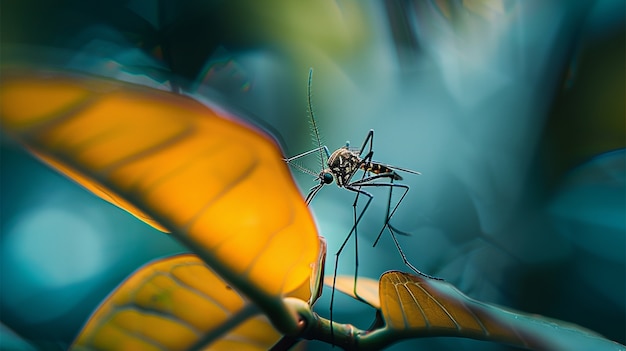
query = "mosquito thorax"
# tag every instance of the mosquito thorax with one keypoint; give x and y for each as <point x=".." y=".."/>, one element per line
<point x="343" y="163"/>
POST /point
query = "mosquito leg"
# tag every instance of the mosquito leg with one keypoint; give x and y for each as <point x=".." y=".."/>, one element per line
<point x="366" y="159"/>
<point x="387" y="217"/>
<point x="306" y="153"/>
<point x="388" y="214"/>
<point x="338" y="253"/>
<point x="406" y="261"/>
<point x="312" y="193"/>
<point x="332" y="292"/>
<point x="356" y="243"/>
<point x="368" y="139"/>
<point x="391" y="229"/>
<point x="357" y="219"/>
<point x="368" y="182"/>
<point x="353" y="229"/>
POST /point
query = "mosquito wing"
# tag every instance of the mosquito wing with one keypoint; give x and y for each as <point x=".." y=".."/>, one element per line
<point x="380" y="168"/>
<point x="403" y="170"/>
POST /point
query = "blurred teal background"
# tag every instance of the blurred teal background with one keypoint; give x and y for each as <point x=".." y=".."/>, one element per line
<point x="512" y="110"/>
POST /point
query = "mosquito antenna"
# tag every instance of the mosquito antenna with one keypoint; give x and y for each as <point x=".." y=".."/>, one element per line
<point x="316" y="132"/>
<point x="302" y="168"/>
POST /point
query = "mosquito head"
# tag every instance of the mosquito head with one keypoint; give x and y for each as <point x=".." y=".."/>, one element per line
<point x="326" y="177"/>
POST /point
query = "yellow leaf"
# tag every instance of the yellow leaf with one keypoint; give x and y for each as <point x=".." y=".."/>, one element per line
<point x="176" y="303"/>
<point x="414" y="306"/>
<point x="317" y="276"/>
<point x="311" y="290"/>
<point x="410" y="302"/>
<point x="366" y="288"/>
<point x="218" y="185"/>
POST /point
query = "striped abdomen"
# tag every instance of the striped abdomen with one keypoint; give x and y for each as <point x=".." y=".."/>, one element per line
<point x="379" y="168"/>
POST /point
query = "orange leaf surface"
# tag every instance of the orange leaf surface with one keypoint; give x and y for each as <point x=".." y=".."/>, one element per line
<point x="414" y="306"/>
<point x="176" y="303"/>
<point x="366" y="288"/>
<point x="218" y="185"/>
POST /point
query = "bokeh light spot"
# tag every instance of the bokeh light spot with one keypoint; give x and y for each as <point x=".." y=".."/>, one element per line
<point x="54" y="247"/>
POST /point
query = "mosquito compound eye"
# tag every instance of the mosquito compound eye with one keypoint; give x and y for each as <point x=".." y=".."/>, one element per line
<point x="328" y="178"/>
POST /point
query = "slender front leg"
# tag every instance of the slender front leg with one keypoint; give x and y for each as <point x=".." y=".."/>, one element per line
<point x="306" y="153"/>
<point x="369" y="138"/>
<point x="357" y="219"/>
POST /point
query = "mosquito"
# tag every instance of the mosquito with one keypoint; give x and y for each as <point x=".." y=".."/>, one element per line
<point x="341" y="167"/>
